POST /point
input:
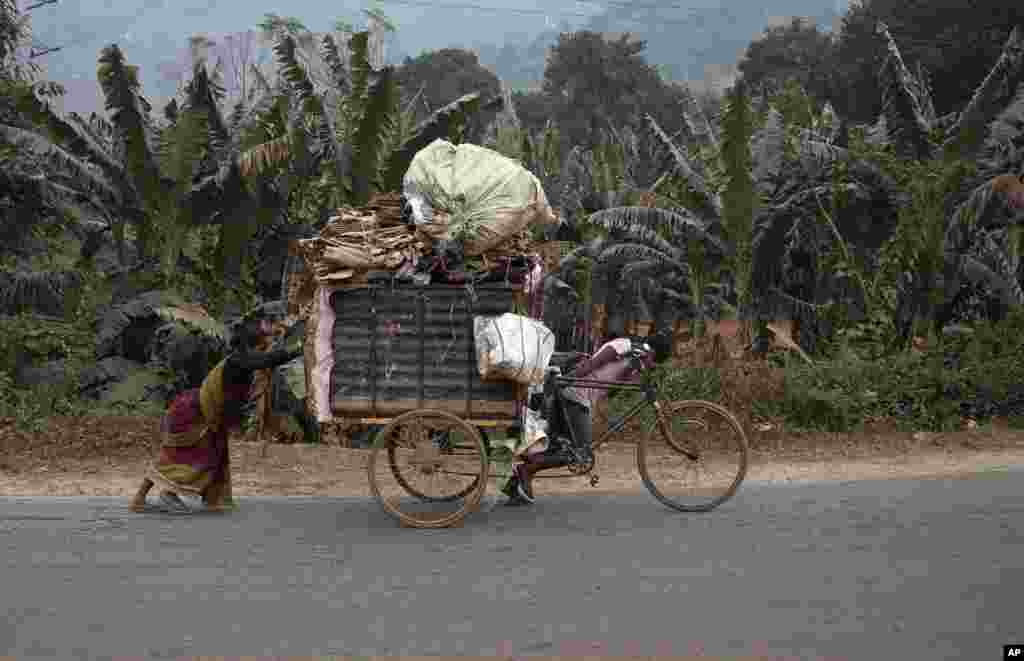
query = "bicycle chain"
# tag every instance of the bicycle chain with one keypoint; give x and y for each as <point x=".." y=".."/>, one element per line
<point x="582" y="463"/>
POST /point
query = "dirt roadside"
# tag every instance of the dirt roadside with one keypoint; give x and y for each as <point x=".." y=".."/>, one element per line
<point x="106" y="456"/>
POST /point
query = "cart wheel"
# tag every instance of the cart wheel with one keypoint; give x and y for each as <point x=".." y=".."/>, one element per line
<point x="443" y="440"/>
<point x="428" y="468"/>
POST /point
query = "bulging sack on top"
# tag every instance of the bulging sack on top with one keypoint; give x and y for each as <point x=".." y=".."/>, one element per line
<point x="513" y="347"/>
<point x="474" y="194"/>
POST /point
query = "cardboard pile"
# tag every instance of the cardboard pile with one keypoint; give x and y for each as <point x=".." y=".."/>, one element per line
<point x="374" y="238"/>
<point x="360" y="240"/>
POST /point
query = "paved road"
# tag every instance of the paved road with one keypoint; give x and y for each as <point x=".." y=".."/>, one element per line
<point x="926" y="569"/>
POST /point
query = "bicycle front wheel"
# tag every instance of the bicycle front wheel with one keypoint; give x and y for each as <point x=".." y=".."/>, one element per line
<point x="696" y="456"/>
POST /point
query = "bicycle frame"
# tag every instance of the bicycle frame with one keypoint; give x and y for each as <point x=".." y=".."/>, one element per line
<point x="648" y="389"/>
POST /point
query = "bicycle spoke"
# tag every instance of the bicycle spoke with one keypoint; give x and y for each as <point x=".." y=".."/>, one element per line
<point x="695" y="458"/>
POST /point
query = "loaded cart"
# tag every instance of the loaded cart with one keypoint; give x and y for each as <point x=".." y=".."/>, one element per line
<point x="394" y="295"/>
<point x="404" y="356"/>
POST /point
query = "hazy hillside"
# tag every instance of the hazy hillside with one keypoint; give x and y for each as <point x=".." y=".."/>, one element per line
<point x="706" y="37"/>
<point x="702" y="43"/>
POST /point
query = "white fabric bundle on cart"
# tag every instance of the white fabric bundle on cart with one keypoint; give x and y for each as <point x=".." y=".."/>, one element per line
<point x="513" y="347"/>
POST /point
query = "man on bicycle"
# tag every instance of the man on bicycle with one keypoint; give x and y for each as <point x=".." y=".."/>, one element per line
<point x="570" y="434"/>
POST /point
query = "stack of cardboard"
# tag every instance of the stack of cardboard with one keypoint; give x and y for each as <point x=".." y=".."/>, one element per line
<point x="387" y="207"/>
<point x="357" y="241"/>
<point x="374" y="238"/>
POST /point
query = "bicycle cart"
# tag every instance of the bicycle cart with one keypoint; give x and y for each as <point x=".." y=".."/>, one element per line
<point x="405" y="359"/>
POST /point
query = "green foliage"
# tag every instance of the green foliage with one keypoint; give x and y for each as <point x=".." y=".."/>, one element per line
<point x="798" y="112"/>
<point x="181" y="151"/>
<point x="992" y="355"/>
<point x="796" y="53"/>
<point x="31" y="339"/>
<point x="208" y="284"/>
<point x="447" y="122"/>
<point x="129" y="112"/>
<point x="952" y="39"/>
<point x="977" y="374"/>
<point x="739" y="198"/>
<point x="689" y="383"/>
<point x="436" y="78"/>
<point x="842" y="394"/>
<point x="371" y="136"/>
<point x="273" y="24"/>
<point x="919" y="244"/>
<point x="508" y="141"/>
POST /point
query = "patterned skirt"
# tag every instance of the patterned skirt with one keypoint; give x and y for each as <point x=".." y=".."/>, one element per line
<point x="193" y="458"/>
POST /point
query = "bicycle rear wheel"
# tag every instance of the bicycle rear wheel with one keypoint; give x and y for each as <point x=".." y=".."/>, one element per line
<point x="695" y="457"/>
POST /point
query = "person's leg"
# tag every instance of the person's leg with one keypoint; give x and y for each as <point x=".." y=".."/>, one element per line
<point x="139" y="501"/>
<point x="578" y="417"/>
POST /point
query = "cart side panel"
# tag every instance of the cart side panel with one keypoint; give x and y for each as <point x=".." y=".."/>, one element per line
<point x="401" y="348"/>
<point x="352" y="343"/>
<point x="450" y="369"/>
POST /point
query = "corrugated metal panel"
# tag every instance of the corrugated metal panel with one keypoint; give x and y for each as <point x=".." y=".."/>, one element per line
<point x="404" y="347"/>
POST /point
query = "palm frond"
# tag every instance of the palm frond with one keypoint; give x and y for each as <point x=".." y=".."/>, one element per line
<point x="623" y="254"/>
<point x="978" y="212"/>
<point x="336" y="66"/>
<point x="90" y="177"/>
<point x="265" y="157"/>
<point x="587" y="251"/>
<point x="768" y="148"/>
<point x="360" y="72"/>
<point x="204" y="93"/>
<point x="129" y="113"/>
<point x="685" y="167"/>
<point x="697" y="122"/>
<point x="72" y="133"/>
<point x="992" y="96"/>
<point x="774" y="225"/>
<point x="372" y="133"/>
<point x="247" y="123"/>
<point x="906" y="105"/>
<point x="261" y="80"/>
<point x="1004" y="145"/>
<point x="996" y="276"/>
<point x="295" y="74"/>
<point x="194" y="317"/>
<point x="877" y="133"/>
<point x="181" y="148"/>
<point x="817" y="151"/>
<point x="46" y="292"/>
<point x="680" y="225"/>
<point x="437" y="126"/>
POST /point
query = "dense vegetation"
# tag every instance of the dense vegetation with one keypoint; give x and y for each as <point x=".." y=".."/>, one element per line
<point x="871" y="226"/>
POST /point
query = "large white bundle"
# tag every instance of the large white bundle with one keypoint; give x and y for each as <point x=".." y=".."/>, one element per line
<point x="513" y="347"/>
<point x="470" y="192"/>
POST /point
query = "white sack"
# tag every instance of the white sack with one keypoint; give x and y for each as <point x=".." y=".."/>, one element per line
<point x="513" y="347"/>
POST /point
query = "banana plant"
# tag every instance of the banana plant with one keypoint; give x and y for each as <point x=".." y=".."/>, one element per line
<point x="71" y="158"/>
<point x="350" y="129"/>
<point x="966" y="245"/>
<point x="650" y="246"/>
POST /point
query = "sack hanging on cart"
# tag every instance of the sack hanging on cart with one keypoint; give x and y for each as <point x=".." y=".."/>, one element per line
<point x="513" y="347"/>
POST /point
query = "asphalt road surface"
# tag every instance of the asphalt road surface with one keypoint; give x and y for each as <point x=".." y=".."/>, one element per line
<point x="915" y="569"/>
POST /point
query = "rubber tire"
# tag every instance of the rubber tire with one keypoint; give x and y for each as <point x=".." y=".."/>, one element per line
<point x="475" y="491"/>
<point x="722" y="413"/>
